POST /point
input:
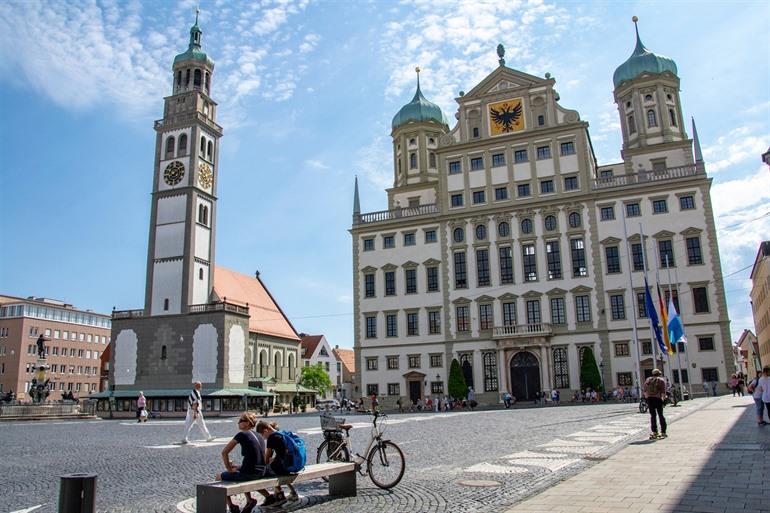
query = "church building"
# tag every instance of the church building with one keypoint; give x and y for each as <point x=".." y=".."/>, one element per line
<point x="508" y="247"/>
<point x="200" y="322"/>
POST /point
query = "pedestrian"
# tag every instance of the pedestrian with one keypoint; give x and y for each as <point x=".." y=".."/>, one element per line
<point x="734" y="384"/>
<point x="714" y="388"/>
<point x="756" y="393"/>
<point x="655" y="392"/>
<point x="400" y="406"/>
<point x="706" y="388"/>
<point x="764" y="386"/>
<point x="141" y="403"/>
<point x="507" y="399"/>
<point x="195" y="414"/>
<point x="275" y="445"/>
<point x="375" y="402"/>
<point x="741" y="383"/>
<point x="253" y="464"/>
<point x="471" y="398"/>
<point x="554" y="397"/>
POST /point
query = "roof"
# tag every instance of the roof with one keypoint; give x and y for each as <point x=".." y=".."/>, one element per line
<point x="266" y="317"/>
<point x="642" y="61"/>
<point x="194" y="51"/>
<point x="764" y="251"/>
<point x="418" y="110"/>
<point x="347" y="357"/>
<point x="286" y="388"/>
<point x="310" y="344"/>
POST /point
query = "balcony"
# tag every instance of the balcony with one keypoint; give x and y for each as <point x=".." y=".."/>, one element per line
<point x="127" y="314"/>
<point x="186" y="118"/>
<point x="538" y="329"/>
<point x="647" y="176"/>
<point x="219" y="307"/>
<point x="396" y="213"/>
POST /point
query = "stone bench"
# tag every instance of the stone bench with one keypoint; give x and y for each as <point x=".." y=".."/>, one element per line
<point x="212" y="497"/>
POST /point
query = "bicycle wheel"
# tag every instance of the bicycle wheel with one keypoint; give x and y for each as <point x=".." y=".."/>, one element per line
<point x="332" y="451"/>
<point x="642" y="406"/>
<point x="386" y="464"/>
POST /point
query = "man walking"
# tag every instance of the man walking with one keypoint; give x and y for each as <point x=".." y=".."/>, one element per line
<point x="195" y="414"/>
<point x="655" y="392"/>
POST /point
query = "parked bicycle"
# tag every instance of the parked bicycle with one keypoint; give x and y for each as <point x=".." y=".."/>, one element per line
<point x="385" y="463"/>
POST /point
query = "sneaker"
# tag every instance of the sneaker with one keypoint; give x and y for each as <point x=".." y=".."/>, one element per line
<point x="663" y="435"/>
<point x="293" y="497"/>
<point x="653" y="435"/>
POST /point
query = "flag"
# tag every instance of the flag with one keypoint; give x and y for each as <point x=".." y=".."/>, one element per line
<point x="664" y="323"/>
<point x="653" y="316"/>
<point x="675" y="327"/>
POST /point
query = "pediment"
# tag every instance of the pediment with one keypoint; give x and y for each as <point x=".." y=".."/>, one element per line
<point x="389" y="267"/>
<point x="369" y="269"/>
<point x="531" y="294"/>
<point x="556" y="292"/>
<point x="609" y="241"/>
<point x="505" y="79"/>
<point x="461" y="301"/>
<point x="409" y="264"/>
<point x="636" y="238"/>
<point x="431" y="262"/>
<point x="485" y="299"/>
<point x="580" y="289"/>
<point x="688" y="232"/>
<point x="507" y="296"/>
<point x="663" y="234"/>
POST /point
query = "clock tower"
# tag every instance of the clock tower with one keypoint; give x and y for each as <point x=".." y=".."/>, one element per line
<point x="180" y="259"/>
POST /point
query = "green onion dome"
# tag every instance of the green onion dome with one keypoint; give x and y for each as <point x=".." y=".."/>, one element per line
<point x="194" y="52"/>
<point x="419" y="109"/>
<point x="642" y="61"/>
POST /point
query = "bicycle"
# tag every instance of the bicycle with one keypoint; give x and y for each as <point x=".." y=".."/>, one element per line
<point x="385" y="463"/>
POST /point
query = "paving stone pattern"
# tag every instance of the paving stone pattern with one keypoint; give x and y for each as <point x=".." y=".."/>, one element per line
<point x="141" y="469"/>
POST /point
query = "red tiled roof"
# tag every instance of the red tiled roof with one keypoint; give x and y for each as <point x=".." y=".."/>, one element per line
<point x="309" y="344"/>
<point x="347" y="357"/>
<point x="266" y="316"/>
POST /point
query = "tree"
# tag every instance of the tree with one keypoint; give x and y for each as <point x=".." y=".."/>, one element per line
<point x="315" y="377"/>
<point x="457" y="386"/>
<point x="589" y="372"/>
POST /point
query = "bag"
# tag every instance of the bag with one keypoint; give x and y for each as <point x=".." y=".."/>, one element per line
<point x="651" y="388"/>
<point x="295" y="457"/>
<point x="752" y="386"/>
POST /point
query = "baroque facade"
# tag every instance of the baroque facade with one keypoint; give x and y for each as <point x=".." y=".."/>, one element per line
<point x="508" y="247"/>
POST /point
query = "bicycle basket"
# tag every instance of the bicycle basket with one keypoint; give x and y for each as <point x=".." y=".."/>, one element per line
<point x="331" y="423"/>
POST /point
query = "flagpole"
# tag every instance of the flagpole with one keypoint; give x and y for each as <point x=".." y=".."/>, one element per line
<point x="674" y="343"/>
<point x="686" y="348"/>
<point x="635" y="308"/>
<point x="665" y="334"/>
<point x="653" y="338"/>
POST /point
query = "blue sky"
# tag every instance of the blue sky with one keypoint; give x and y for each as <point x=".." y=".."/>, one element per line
<point x="306" y="92"/>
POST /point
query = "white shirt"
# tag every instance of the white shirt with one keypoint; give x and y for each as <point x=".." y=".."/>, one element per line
<point x="764" y="384"/>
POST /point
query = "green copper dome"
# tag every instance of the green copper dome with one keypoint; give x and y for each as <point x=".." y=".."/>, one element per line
<point x="642" y="61"/>
<point x="419" y="109"/>
<point x="194" y="52"/>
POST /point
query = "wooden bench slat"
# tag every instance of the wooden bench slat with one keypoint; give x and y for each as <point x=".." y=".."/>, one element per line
<point x="309" y="472"/>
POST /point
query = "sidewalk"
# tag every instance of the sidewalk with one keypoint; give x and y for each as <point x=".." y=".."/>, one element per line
<point x="715" y="460"/>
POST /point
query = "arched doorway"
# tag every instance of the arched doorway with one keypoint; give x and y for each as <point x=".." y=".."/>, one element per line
<point x="525" y="376"/>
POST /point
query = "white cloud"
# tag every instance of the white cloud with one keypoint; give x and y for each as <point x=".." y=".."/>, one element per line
<point x="316" y="164"/>
<point x="309" y="44"/>
<point x="736" y="146"/>
<point x="375" y="161"/>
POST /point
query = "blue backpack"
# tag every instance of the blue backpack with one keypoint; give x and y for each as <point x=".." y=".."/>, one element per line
<point x="294" y="459"/>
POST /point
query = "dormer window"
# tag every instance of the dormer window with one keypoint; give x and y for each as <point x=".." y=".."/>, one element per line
<point x="431" y="141"/>
<point x="648" y="97"/>
<point x="412" y="142"/>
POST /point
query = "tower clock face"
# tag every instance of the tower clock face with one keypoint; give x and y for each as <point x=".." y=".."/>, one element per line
<point x="174" y="173"/>
<point x="205" y="175"/>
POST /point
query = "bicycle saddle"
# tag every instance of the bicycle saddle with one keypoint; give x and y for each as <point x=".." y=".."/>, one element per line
<point x="346" y="427"/>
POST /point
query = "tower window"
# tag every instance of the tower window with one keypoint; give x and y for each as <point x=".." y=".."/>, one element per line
<point x="165" y="304"/>
<point x="203" y="214"/>
<point x="170" y="148"/>
<point x="208" y="82"/>
<point x="652" y="120"/>
<point x="182" y="148"/>
<point x="631" y="125"/>
<point x="475" y="132"/>
<point x="187" y="78"/>
<point x="210" y="150"/>
<point x="540" y="120"/>
<point x="648" y="97"/>
<point x="672" y="116"/>
<point x="197" y="79"/>
<point x="179" y="78"/>
<point x="432" y="160"/>
<point x="203" y="146"/>
<point x="412" y="161"/>
<point x="163" y="353"/>
<point x="200" y="273"/>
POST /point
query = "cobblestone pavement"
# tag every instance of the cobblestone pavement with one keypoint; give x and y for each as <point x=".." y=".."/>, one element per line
<point x="458" y="461"/>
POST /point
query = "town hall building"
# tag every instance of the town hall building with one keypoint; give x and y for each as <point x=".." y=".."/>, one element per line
<point x="508" y="247"/>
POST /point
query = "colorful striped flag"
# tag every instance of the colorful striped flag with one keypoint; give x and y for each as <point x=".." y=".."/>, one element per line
<point x="653" y="315"/>
<point x="664" y="323"/>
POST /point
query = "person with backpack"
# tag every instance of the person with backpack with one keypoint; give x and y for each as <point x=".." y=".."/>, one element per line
<point x="655" y="393"/>
<point x="756" y="393"/>
<point x="285" y="452"/>
<point x="253" y="464"/>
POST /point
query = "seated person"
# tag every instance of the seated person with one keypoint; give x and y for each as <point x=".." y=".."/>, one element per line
<point x="253" y="464"/>
<point x="275" y="446"/>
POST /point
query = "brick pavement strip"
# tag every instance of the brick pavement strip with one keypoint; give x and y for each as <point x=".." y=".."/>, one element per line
<point x="704" y="467"/>
<point x="141" y="470"/>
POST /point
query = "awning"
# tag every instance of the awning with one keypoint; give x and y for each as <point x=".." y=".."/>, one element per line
<point x="183" y="393"/>
<point x="286" y="388"/>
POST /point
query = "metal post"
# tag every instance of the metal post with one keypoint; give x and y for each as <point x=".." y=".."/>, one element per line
<point x="77" y="493"/>
<point x="635" y="309"/>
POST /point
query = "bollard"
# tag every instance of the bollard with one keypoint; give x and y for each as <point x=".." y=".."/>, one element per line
<point x="77" y="493"/>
